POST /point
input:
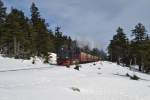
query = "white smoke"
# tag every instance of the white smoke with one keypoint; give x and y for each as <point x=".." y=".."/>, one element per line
<point x="86" y="42"/>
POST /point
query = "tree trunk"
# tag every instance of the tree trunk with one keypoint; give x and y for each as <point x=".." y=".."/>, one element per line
<point x="18" y="49"/>
<point x="135" y="61"/>
<point x="118" y="60"/>
<point x="111" y="56"/>
<point x="15" y="45"/>
<point x="9" y="49"/>
<point x="142" y="64"/>
<point x="140" y="67"/>
<point x="130" y="63"/>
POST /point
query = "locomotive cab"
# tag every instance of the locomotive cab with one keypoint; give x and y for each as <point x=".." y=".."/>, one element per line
<point x="63" y="56"/>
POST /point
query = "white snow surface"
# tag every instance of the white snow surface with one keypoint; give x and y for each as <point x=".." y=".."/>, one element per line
<point x="21" y="80"/>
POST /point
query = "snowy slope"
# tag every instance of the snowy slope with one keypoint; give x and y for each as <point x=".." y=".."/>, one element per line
<point x="105" y="81"/>
<point x="13" y="64"/>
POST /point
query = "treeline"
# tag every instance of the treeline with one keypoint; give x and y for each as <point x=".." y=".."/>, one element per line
<point x="24" y="37"/>
<point x="135" y="51"/>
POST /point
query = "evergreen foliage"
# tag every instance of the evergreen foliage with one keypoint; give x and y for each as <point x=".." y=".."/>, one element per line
<point x="2" y="20"/>
<point x="134" y="52"/>
<point x="118" y="47"/>
<point x="23" y="37"/>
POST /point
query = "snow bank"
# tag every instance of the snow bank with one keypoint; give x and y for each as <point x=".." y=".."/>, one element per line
<point x="13" y="64"/>
<point x="103" y="81"/>
<point x="52" y="58"/>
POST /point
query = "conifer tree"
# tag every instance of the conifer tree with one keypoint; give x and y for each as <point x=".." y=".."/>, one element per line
<point x="118" y="47"/>
<point x="41" y="39"/>
<point x="16" y="32"/>
<point x="2" y="21"/>
<point x="138" y="45"/>
<point x="139" y="32"/>
<point x="58" y="39"/>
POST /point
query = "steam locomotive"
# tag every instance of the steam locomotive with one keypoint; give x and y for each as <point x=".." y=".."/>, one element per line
<point x="67" y="56"/>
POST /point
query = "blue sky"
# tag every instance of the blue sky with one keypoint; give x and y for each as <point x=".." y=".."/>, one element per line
<point x="93" y="22"/>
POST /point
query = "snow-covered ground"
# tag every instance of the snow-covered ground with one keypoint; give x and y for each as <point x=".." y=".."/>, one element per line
<point x="21" y="80"/>
<point x="13" y="64"/>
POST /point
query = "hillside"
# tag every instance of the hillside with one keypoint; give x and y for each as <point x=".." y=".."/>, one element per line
<point x="21" y="80"/>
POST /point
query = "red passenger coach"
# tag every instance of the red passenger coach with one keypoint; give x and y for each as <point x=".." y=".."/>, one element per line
<point x="68" y="57"/>
<point x="83" y="57"/>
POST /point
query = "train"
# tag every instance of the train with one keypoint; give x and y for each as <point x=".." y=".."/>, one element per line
<point x="69" y="56"/>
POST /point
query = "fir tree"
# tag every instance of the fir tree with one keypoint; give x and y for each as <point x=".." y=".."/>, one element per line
<point x="2" y="21"/>
<point x="15" y="35"/>
<point x="138" y="45"/>
<point x="139" y="32"/>
<point x="118" y="47"/>
<point x="2" y="13"/>
<point x="42" y="40"/>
